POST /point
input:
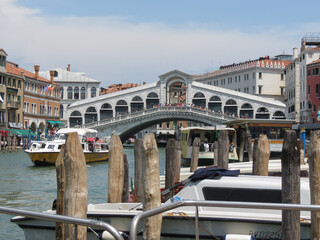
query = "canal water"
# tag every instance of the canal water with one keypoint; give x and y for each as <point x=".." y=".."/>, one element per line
<point x="24" y="186"/>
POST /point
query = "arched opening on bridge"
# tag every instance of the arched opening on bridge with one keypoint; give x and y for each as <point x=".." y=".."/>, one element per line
<point x="262" y="113"/>
<point x="136" y="104"/>
<point x="152" y="100"/>
<point x="199" y="100"/>
<point x="246" y="111"/>
<point x="279" y="115"/>
<point x="75" y="119"/>
<point x="177" y="93"/>
<point x="91" y="115"/>
<point x="215" y="104"/>
<point x="121" y="108"/>
<point x="231" y="108"/>
<point x="106" y="111"/>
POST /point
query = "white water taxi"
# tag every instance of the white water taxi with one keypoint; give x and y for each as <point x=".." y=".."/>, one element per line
<point x="214" y="222"/>
<point x="46" y="152"/>
<point x="207" y="135"/>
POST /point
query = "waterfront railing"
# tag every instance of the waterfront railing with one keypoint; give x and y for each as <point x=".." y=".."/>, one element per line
<point x="197" y="204"/>
<point x="64" y="219"/>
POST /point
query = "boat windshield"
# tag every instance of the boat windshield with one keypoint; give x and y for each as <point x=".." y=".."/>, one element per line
<point x="60" y="136"/>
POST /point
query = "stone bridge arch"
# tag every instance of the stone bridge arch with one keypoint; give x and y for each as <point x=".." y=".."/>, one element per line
<point x="126" y="127"/>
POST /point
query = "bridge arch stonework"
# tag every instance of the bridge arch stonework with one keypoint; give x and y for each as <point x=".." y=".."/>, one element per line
<point x="191" y="87"/>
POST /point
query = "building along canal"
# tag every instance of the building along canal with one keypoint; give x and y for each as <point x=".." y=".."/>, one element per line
<point x="25" y="186"/>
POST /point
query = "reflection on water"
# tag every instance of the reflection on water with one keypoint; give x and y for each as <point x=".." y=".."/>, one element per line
<point x="27" y="187"/>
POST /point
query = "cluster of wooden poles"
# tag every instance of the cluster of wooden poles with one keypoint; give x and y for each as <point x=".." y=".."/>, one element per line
<point x="72" y="194"/>
<point x="8" y="143"/>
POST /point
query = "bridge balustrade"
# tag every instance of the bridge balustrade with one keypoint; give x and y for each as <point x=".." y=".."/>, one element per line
<point x="160" y="108"/>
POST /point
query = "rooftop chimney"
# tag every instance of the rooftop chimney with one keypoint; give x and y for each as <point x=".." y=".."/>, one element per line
<point x="51" y="75"/>
<point x="36" y="71"/>
<point x="68" y="68"/>
<point x="295" y="53"/>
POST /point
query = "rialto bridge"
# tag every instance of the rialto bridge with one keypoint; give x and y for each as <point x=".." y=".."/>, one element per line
<point x="129" y="111"/>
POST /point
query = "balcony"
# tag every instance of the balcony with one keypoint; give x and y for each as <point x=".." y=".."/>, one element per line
<point x="13" y="105"/>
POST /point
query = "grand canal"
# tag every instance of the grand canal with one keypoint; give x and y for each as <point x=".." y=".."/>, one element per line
<point x="24" y="186"/>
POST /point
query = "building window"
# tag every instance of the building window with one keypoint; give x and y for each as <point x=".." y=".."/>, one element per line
<point x="76" y="93"/>
<point x="93" y="92"/>
<point x="314" y="107"/>
<point x="315" y="71"/>
<point x="260" y="75"/>
<point x="282" y="91"/>
<point x="309" y="89"/>
<point x="70" y="92"/>
<point x="83" y="92"/>
<point x="260" y="89"/>
<point x="309" y="72"/>
<point x="282" y="76"/>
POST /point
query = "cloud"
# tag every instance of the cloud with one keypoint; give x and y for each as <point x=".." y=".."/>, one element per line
<point x="114" y="50"/>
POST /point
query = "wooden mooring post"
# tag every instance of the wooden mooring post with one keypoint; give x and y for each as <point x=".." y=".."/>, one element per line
<point x="215" y="153"/>
<point x="261" y="156"/>
<point x="223" y="152"/>
<point x="241" y="145"/>
<point x="249" y="145"/>
<point x="138" y="144"/>
<point x="173" y="163"/>
<point x="116" y="170"/>
<point x="72" y="193"/>
<point x="151" y="186"/>
<point x="125" y="192"/>
<point x="314" y="172"/>
<point x="195" y="154"/>
<point x="290" y="167"/>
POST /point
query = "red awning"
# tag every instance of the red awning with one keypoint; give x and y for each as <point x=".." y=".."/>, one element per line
<point x="4" y="133"/>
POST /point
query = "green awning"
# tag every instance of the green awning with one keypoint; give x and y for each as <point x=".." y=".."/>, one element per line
<point x="21" y="132"/>
<point x="55" y="122"/>
<point x="59" y="123"/>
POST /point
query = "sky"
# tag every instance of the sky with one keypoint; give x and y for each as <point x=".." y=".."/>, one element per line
<point x="137" y="41"/>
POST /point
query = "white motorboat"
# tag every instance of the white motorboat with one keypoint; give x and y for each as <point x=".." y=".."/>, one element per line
<point x="207" y="135"/>
<point x="214" y="222"/>
<point x="46" y="152"/>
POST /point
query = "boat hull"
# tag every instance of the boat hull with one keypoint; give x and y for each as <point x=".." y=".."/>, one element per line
<point x="49" y="158"/>
<point x="176" y="225"/>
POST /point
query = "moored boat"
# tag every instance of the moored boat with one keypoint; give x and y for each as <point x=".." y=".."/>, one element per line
<point x="207" y="135"/>
<point x="46" y="152"/>
<point x="214" y="222"/>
